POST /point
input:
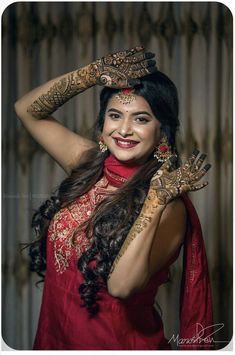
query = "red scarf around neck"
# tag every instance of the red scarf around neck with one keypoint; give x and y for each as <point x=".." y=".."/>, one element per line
<point x="117" y="172"/>
<point x="196" y="315"/>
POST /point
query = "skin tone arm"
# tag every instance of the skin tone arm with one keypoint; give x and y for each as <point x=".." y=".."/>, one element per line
<point x="158" y="231"/>
<point x="35" y="109"/>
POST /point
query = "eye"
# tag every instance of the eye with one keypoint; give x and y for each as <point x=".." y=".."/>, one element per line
<point x="141" y="119"/>
<point x="114" y="116"/>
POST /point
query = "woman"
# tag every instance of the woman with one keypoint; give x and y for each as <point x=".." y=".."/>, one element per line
<point x="118" y="221"/>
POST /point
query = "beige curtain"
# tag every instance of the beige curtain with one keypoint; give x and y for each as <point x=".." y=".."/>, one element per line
<point x="193" y="43"/>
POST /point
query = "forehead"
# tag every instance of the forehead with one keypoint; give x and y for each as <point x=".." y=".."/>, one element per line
<point x="138" y="104"/>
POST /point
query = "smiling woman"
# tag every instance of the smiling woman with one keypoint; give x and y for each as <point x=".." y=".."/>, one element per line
<point x="106" y="239"/>
<point x="131" y="131"/>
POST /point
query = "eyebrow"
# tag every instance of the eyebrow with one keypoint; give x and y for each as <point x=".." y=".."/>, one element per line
<point x="136" y="113"/>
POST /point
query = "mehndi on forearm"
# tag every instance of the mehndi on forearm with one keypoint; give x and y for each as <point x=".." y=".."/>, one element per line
<point x="61" y="91"/>
<point x="146" y="217"/>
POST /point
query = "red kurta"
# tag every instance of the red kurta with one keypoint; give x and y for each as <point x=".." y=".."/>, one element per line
<point x="131" y="324"/>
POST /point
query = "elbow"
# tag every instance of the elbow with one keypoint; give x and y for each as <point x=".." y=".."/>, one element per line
<point x="124" y="290"/>
<point x="18" y="109"/>
<point x="118" y="292"/>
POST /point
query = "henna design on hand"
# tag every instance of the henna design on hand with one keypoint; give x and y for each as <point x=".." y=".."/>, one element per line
<point x="145" y="217"/>
<point x="122" y="69"/>
<point x="166" y="185"/>
<point x="170" y="184"/>
<point x="61" y="91"/>
<point x="117" y="70"/>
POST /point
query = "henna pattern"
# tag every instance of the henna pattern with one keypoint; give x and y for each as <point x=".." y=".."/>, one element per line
<point x="170" y="184"/>
<point x="165" y="186"/>
<point x="143" y="220"/>
<point x="67" y="87"/>
<point x="122" y="69"/>
<point x="117" y="70"/>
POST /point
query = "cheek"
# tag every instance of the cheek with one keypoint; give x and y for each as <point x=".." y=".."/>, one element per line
<point x="109" y="126"/>
<point x="106" y="126"/>
<point x="151" y="135"/>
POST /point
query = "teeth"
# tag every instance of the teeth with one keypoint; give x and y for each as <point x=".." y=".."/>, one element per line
<point x="125" y="143"/>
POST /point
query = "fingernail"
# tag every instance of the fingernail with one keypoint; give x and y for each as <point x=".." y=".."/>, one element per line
<point x="195" y="151"/>
<point x="152" y="69"/>
<point x="207" y="167"/>
<point x="151" y="62"/>
<point x="149" y="55"/>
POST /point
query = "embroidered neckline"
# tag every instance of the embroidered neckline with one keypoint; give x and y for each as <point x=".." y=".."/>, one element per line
<point x="66" y="220"/>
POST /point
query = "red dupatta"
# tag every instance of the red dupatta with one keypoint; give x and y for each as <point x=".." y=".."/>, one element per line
<point x="196" y="318"/>
<point x="196" y="311"/>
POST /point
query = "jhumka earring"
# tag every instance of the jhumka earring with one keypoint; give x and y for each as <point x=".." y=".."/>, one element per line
<point x="103" y="146"/>
<point x="126" y="96"/>
<point x="163" y="150"/>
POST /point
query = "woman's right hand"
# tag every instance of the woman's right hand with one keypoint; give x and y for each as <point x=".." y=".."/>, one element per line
<point x="122" y="69"/>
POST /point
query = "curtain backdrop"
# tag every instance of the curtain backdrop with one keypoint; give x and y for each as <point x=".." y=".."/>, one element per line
<point x="193" y="45"/>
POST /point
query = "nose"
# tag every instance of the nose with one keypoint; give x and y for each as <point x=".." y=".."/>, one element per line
<point x="125" y="128"/>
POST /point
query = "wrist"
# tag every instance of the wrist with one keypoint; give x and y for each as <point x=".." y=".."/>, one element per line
<point x="88" y="74"/>
<point x="156" y="198"/>
<point x="153" y="200"/>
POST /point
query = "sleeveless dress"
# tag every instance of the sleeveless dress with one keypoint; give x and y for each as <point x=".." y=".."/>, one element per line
<point x="121" y="324"/>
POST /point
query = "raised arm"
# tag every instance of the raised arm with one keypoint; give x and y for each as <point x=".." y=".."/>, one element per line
<point x="158" y="231"/>
<point x="35" y="108"/>
<point x="116" y="70"/>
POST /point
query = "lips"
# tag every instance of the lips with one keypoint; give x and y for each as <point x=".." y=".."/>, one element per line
<point x="125" y="143"/>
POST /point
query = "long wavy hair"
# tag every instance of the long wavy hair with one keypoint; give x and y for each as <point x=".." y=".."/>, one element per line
<point x="112" y="219"/>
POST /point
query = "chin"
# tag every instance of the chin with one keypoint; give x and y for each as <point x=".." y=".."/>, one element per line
<point x="128" y="158"/>
<point x="122" y="156"/>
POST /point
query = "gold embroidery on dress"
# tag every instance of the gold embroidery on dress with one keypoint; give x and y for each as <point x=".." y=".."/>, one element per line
<point x="66" y="220"/>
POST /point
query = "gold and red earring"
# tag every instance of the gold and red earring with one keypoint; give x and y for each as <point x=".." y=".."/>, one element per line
<point x="103" y="146"/>
<point x="163" y="150"/>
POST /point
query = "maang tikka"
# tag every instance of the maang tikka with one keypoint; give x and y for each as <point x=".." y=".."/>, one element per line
<point x="126" y="96"/>
<point x="163" y="150"/>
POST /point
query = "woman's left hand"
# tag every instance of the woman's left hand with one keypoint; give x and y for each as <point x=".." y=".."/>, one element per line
<point x="170" y="184"/>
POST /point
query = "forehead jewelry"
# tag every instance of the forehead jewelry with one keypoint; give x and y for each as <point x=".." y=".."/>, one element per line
<point x="126" y="96"/>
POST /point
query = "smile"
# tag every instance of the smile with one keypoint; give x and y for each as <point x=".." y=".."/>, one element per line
<point x="125" y="144"/>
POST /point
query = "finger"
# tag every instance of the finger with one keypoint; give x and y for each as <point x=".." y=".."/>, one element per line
<point x="134" y="50"/>
<point x="133" y="82"/>
<point x="167" y="164"/>
<point x="198" y="186"/>
<point x="143" y="65"/>
<point x="140" y="57"/>
<point x="201" y="173"/>
<point x="192" y="158"/>
<point x="152" y="70"/>
<point x="200" y="161"/>
<point x="149" y="55"/>
<point x="139" y="73"/>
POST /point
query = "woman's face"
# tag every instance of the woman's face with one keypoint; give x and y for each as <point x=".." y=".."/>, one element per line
<point x="131" y="131"/>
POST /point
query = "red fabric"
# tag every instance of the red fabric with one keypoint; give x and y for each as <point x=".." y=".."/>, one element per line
<point x="117" y="172"/>
<point x="131" y="324"/>
<point x="196" y="318"/>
